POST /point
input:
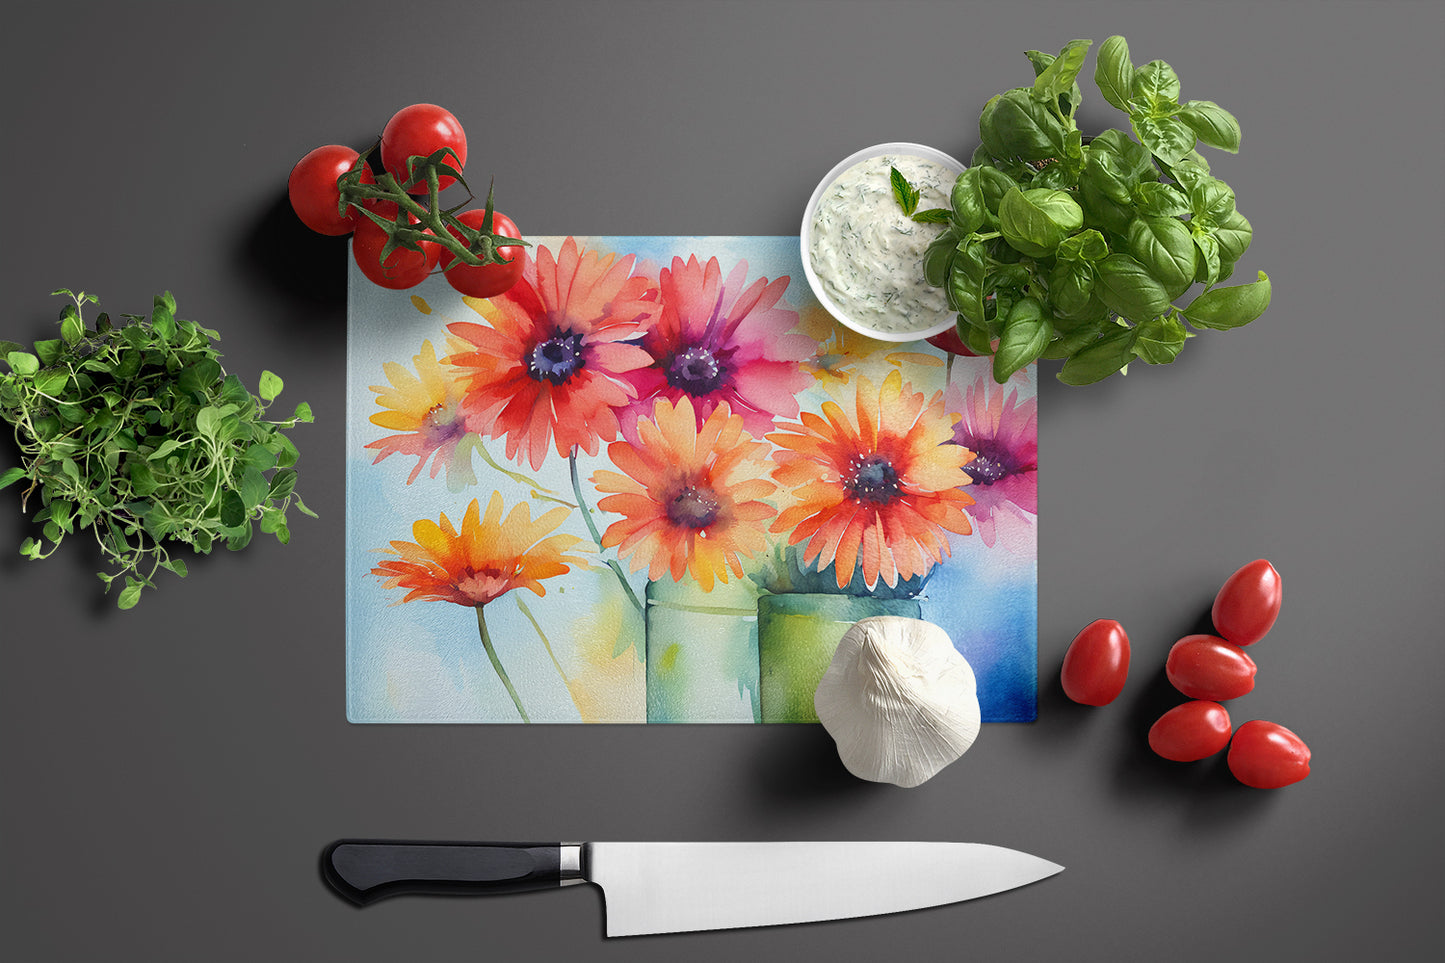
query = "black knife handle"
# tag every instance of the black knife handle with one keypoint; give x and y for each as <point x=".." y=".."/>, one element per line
<point x="366" y="870"/>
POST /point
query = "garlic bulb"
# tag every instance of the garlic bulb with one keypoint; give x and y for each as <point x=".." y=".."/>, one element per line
<point x="899" y="700"/>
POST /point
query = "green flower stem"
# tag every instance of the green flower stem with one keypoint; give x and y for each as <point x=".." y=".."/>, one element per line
<point x="543" y="636"/>
<point x="497" y="663"/>
<point x="592" y="528"/>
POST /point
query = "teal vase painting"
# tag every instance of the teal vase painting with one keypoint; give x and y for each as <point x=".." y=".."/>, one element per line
<point x="702" y="653"/>
<point x="655" y="482"/>
<point x="797" y="635"/>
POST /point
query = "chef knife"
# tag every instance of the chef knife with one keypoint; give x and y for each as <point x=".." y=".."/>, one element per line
<point x="676" y="887"/>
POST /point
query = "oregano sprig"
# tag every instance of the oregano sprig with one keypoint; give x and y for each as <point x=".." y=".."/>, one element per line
<point x="137" y="435"/>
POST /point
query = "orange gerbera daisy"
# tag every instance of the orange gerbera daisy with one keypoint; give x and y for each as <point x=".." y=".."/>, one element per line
<point x="878" y="490"/>
<point x="485" y="560"/>
<point x="426" y="408"/>
<point x="691" y="495"/>
<point x="549" y="367"/>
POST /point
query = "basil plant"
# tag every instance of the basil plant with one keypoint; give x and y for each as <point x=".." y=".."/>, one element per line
<point x="1059" y="248"/>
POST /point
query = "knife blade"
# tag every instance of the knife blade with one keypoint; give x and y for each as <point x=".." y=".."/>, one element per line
<point x="662" y="887"/>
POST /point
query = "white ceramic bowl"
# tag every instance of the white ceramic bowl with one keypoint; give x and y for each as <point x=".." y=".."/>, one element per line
<point x="946" y="318"/>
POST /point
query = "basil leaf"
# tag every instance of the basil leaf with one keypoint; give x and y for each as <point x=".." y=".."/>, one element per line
<point x="993" y="184"/>
<point x="1040" y="60"/>
<point x="1156" y="87"/>
<point x="1209" y="260"/>
<point x="1104" y="194"/>
<point x="1025" y="335"/>
<point x="1055" y="177"/>
<point x="1015" y="125"/>
<point x="1159" y="340"/>
<point x="1071" y="340"/>
<point x="1035" y="221"/>
<point x="1087" y="245"/>
<point x="10" y="476"/>
<point x="1160" y="200"/>
<point x="1114" y="72"/>
<point x="1057" y="78"/>
<point x="1233" y="235"/>
<point x="1232" y="307"/>
<point x="1212" y="124"/>
<point x="1128" y="288"/>
<point x="1165" y="247"/>
<point x="1133" y="158"/>
<point x="1100" y="359"/>
<point x="1068" y="102"/>
<point x="966" y="278"/>
<point x="1071" y="286"/>
<point x="938" y="257"/>
<point x="1210" y="199"/>
<point x="970" y="211"/>
<point x="1168" y="139"/>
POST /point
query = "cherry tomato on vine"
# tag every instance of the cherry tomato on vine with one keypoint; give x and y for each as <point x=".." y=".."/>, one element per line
<point x="1206" y="667"/>
<point x="1266" y="755"/>
<point x="313" y="192"/>
<point x="403" y="268"/>
<point x="1097" y="663"/>
<point x="1248" y="603"/>
<point x="1194" y="730"/>
<point x="421" y="130"/>
<point x="486" y="280"/>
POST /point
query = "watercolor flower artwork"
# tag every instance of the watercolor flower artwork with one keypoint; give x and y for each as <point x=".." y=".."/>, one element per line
<point x="655" y="481"/>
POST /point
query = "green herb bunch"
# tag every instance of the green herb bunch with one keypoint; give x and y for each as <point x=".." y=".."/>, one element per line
<point x="1059" y="248"/>
<point x="137" y="434"/>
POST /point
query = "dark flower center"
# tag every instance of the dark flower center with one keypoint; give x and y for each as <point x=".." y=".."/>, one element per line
<point x="696" y="371"/>
<point x="871" y="478"/>
<point x="695" y="506"/>
<point x="557" y="358"/>
<point x="441" y="425"/>
<point x="989" y="465"/>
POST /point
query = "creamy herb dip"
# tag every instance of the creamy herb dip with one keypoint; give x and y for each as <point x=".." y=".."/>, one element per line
<point x="868" y="254"/>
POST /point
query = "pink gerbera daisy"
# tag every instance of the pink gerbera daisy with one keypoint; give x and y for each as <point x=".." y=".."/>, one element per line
<point x="722" y="341"/>
<point x="1003" y="434"/>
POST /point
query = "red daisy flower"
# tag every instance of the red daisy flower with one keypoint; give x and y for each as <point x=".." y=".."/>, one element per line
<point x="550" y="367"/>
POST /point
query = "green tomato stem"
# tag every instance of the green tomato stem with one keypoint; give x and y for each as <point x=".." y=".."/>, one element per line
<point x="475" y="249"/>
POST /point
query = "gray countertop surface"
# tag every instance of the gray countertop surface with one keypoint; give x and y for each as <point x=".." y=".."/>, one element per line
<point x="172" y="773"/>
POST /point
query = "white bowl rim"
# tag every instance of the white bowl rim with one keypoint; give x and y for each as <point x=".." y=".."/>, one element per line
<point x="806" y="234"/>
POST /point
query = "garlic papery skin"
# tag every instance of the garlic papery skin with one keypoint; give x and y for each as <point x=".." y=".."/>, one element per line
<point x="899" y="700"/>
